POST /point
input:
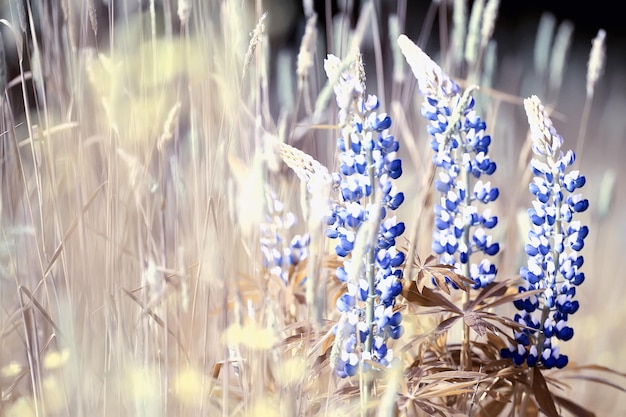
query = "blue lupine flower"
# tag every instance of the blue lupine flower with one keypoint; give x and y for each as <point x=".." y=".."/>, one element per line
<point x="368" y="166"/>
<point x="553" y="244"/>
<point x="278" y="255"/>
<point x="462" y="158"/>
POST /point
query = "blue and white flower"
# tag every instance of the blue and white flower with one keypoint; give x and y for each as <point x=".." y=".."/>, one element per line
<point x="280" y="251"/>
<point x="458" y="136"/>
<point x="553" y="245"/>
<point x="368" y="166"/>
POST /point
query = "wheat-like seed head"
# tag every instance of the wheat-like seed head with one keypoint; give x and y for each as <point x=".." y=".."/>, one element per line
<point x="184" y="11"/>
<point x="307" y="47"/>
<point x="546" y="141"/>
<point x="489" y="21"/>
<point x="21" y="14"/>
<point x="3" y="67"/>
<point x="255" y="39"/>
<point x="596" y="62"/>
<point x="168" y="127"/>
<point x="430" y="77"/>
<point x="398" y="62"/>
<point x="543" y="43"/>
<point x="459" y="28"/>
<point x="307" y="6"/>
<point x="560" y="49"/>
<point x="303" y="165"/>
<point x="93" y="18"/>
<point x="473" y="32"/>
<point x="606" y="194"/>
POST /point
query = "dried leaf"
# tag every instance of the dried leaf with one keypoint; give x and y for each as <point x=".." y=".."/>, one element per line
<point x="440" y="390"/>
<point x="598" y="381"/>
<point x="439" y="272"/>
<point x="446" y="325"/>
<point x="440" y="281"/>
<point x="504" y="320"/>
<point x="574" y="408"/>
<point x="503" y="396"/>
<point x="428" y="298"/>
<point x="542" y="394"/>
<point x="478" y="324"/>
<point x="448" y="375"/>
<point x="531" y="410"/>
<point x="328" y="342"/>
<point x="445" y="411"/>
<point x="492" y="408"/>
<point x="509" y="299"/>
<point x="599" y="368"/>
<point x="495" y="341"/>
<point x="495" y="289"/>
<point x="216" y="370"/>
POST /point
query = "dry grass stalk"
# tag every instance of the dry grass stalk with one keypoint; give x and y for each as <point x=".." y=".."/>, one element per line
<point x="184" y="11"/>
<point x="558" y="57"/>
<point x="473" y="40"/>
<point x="543" y="44"/>
<point x="398" y="61"/>
<point x="597" y="57"/>
<point x="168" y="127"/>
<point x="595" y="68"/>
<point x="3" y="69"/>
<point x="256" y="37"/>
<point x="307" y="48"/>
<point x="459" y="30"/>
<point x="93" y="17"/>
<point x="490" y="16"/>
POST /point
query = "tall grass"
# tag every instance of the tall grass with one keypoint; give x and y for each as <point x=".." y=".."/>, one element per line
<point x="148" y="153"/>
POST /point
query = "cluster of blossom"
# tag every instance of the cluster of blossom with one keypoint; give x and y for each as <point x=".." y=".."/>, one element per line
<point x="553" y="246"/>
<point x="279" y="257"/>
<point x="462" y="158"/>
<point x="368" y="164"/>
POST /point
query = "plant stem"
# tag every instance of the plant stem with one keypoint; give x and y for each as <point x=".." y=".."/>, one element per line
<point x="466" y="360"/>
<point x="526" y="395"/>
<point x="370" y="275"/>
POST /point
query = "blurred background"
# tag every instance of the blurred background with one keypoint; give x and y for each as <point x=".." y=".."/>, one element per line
<point x="517" y="65"/>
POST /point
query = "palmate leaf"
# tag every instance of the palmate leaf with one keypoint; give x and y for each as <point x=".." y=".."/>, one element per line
<point x="428" y="298"/>
<point x="438" y="272"/>
<point x="478" y="324"/>
<point x="495" y="289"/>
<point x="503" y="292"/>
<point x="511" y="324"/>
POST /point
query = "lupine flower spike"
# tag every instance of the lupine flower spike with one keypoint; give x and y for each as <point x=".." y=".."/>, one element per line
<point x="360" y="222"/>
<point x="280" y="253"/>
<point x="553" y="246"/>
<point x="462" y="226"/>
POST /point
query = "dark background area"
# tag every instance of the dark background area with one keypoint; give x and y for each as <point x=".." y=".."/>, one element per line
<point x="588" y="17"/>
